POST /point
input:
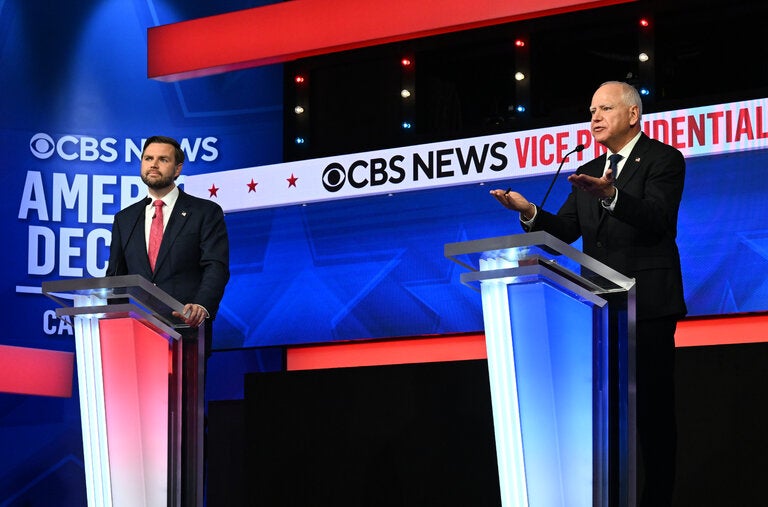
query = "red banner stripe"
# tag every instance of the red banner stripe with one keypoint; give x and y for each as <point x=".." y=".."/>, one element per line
<point x="301" y="28"/>
<point x="695" y="331"/>
<point x="722" y="330"/>
<point x="36" y="371"/>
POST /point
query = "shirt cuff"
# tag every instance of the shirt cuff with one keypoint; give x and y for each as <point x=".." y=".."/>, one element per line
<point x="529" y="223"/>
<point x="610" y="205"/>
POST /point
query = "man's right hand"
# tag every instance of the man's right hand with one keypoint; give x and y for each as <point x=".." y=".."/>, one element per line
<point x="515" y="201"/>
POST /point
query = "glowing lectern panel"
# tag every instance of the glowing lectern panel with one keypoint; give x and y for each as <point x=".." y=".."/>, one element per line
<point x="130" y="402"/>
<point x="560" y="343"/>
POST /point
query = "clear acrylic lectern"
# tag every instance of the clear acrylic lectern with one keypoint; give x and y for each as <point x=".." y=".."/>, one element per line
<point x="129" y="369"/>
<point x="560" y="331"/>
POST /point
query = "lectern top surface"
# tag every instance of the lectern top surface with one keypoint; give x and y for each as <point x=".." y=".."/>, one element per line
<point x="119" y="289"/>
<point x="538" y="248"/>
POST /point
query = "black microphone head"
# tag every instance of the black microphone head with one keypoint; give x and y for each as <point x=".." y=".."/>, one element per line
<point x="580" y="147"/>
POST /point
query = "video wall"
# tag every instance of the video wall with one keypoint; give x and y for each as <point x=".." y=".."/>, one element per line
<point x="363" y="257"/>
<point x="362" y="261"/>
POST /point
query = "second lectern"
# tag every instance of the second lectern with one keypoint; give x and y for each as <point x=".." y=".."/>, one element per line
<point x="560" y="334"/>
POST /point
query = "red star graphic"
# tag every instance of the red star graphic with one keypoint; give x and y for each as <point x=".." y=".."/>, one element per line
<point x="213" y="190"/>
<point x="251" y="186"/>
<point x="292" y="180"/>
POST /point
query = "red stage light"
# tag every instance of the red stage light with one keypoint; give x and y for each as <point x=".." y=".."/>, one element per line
<point x="299" y="79"/>
<point x="406" y="62"/>
<point x="519" y="43"/>
<point x="644" y="23"/>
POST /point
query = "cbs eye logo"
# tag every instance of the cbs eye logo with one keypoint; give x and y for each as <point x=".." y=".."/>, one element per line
<point x="334" y="177"/>
<point x="42" y="146"/>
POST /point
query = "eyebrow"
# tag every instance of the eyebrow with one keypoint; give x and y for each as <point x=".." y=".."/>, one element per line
<point x="601" y="106"/>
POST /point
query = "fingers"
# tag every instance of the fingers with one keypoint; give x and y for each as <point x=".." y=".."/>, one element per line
<point x="193" y="315"/>
<point x="506" y="198"/>
<point x="592" y="185"/>
<point x="501" y="196"/>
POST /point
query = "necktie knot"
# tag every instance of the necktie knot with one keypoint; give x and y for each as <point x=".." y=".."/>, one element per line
<point x="158" y="204"/>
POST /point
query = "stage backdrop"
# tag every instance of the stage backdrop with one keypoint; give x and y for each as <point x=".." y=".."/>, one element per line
<point x="358" y="256"/>
<point x="351" y="246"/>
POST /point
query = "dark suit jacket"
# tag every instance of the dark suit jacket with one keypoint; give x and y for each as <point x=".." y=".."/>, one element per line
<point x="193" y="261"/>
<point x="638" y="238"/>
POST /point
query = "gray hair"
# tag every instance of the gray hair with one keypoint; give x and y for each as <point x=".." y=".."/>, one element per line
<point x="629" y="94"/>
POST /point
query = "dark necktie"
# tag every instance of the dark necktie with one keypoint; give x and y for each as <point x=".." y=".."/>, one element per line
<point x="155" y="233"/>
<point x="614" y="164"/>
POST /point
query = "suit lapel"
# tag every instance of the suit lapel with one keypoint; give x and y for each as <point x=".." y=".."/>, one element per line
<point x="629" y="171"/>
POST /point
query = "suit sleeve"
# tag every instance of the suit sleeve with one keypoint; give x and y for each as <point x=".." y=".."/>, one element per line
<point x="214" y="260"/>
<point x="565" y="226"/>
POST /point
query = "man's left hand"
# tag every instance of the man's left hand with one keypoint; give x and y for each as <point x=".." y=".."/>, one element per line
<point x="193" y="315"/>
<point x="601" y="188"/>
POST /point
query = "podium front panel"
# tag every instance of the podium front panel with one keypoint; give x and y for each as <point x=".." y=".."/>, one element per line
<point x="129" y="374"/>
<point x="549" y="410"/>
<point x="559" y="331"/>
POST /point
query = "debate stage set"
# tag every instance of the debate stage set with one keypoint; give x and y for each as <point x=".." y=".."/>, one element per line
<point x="389" y="336"/>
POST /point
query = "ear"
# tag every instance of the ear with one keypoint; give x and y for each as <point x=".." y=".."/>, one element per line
<point x="177" y="171"/>
<point x="634" y="115"/>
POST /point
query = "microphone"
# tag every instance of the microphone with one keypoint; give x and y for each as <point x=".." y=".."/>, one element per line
<point x="576" y="149"/>
<point x="118" y="263"/>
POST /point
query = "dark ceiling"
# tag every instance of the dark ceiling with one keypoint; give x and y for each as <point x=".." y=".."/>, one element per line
<point x="702" y="52"/>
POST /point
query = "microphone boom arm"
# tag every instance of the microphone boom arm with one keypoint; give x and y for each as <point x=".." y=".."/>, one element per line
<point x="552" y="184"/>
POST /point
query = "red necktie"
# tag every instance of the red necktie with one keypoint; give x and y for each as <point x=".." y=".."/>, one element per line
<point x="155" y="233"/>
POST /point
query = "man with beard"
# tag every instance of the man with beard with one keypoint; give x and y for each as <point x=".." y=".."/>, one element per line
<point x="192" y="259"/>
<point x="179" y="243"/>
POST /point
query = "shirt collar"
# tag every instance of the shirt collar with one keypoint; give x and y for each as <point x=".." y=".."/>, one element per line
<point x="627" y="149"/>
<point x="169" y="199"/>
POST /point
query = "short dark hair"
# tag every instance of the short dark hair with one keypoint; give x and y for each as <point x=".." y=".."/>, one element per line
<point x="165" y="140"/>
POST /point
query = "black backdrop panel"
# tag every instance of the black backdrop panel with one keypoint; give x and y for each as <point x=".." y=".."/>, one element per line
<point x="400" y="435"/>
<point x="722" y="415"/>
